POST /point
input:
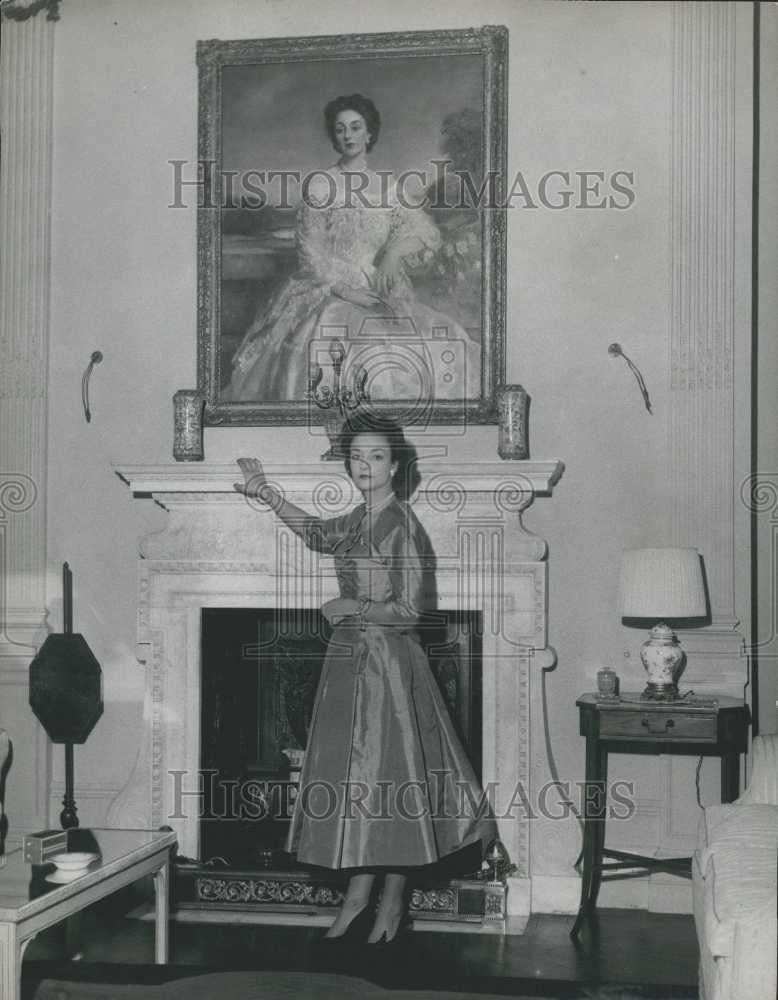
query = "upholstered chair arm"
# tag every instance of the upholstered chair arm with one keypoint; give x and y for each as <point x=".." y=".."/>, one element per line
<point x="763" y="783"/>
<point x="5" y="750"/>
<point x="5" y="762"/>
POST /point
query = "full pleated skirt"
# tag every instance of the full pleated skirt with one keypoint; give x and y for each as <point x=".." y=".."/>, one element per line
<point x="385" y="781"/>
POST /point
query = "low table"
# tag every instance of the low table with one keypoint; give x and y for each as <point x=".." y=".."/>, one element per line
<point x="29" y="902"/>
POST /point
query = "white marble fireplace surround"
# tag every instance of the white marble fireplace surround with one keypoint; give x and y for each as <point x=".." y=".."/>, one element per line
<point x="218" y="550"/>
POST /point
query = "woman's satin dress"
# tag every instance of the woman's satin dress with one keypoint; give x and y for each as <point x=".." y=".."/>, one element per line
<point x="385" y="780"/>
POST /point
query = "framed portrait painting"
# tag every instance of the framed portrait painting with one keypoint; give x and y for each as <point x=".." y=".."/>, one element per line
<point x="351" y="242"/>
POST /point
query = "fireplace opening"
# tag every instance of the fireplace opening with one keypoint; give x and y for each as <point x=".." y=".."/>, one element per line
<point x="260" y="671"/>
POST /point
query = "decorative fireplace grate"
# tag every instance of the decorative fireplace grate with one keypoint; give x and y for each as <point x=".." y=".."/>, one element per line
<point x="202" y="887"/>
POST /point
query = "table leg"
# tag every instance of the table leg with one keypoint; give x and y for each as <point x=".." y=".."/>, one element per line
<point x="599" y="826"/>
<point x="73" y="936"/>
<point x="162" y="914"/>
<point x="730" y="776"/>
<point x="594" y="829"/>
<point x="11" y="955"/>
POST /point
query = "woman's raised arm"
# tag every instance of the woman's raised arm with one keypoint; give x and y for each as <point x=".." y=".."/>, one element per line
<point x="317" y="534"/>
<point x="256" y="487"/>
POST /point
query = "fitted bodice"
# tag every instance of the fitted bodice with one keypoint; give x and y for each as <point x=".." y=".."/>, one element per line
<point x="361" y="569"/>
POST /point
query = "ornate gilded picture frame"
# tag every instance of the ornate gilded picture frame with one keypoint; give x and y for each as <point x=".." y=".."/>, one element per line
<point x="351" y="239"/>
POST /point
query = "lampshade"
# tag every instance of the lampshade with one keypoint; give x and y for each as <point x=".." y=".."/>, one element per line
<point x="662" y="583"/>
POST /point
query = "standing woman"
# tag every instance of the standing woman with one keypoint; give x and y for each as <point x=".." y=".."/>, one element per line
<point x="386" y="783"/>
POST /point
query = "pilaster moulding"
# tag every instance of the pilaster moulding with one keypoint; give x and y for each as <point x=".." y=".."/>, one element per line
<point x="26" y="96"/>
<point x="707" y="277"/>
<point x="703" y="175"/>
<point x="22" y="611"/>
<point x="22" y="502"/>
<point x="26" y="112"/>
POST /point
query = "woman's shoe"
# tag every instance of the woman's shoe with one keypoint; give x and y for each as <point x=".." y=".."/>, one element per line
<point x="357" y="930"/>
<point x="384" y="944"/>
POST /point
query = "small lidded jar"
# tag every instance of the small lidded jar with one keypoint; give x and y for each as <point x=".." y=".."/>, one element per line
<point x="512" y="420"/>
<point x="607" y="683"/>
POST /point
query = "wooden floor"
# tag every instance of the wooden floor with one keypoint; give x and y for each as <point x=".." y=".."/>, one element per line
<point x="624" y="947"/>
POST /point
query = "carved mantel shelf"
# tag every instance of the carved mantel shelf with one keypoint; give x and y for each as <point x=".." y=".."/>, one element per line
<point x="165" y="482"/>
<point x="210" y="520"/>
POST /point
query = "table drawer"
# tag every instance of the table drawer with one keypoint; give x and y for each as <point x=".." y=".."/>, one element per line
<point x="652" y="725"/>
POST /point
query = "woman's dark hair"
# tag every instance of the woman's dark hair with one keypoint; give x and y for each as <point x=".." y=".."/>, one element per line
<point x="407" y="477"/>
<point x="353" y="102"/>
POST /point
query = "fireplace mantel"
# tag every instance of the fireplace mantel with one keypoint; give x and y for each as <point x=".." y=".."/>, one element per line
<point x="167" y="482"/>
<point x="217" y="549"/>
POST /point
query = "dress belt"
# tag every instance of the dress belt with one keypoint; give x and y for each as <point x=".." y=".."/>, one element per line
<point x="409" y="631"/>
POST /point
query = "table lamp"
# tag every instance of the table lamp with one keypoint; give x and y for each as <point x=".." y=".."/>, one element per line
<point x="659" y="584"/>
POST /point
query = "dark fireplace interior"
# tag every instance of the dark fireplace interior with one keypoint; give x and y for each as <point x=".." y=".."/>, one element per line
<point x="260" y="670"/>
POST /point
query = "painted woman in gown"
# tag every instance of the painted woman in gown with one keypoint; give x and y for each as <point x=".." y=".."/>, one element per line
<point x="353" y="236"/>
<point x="386" y="785"/>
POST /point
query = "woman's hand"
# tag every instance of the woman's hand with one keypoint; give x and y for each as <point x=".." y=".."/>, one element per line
<point x="389" y="275"/>
<point x="254" y="478"/>
<point x="358" y="296"/>
<point x="340" y="608"/>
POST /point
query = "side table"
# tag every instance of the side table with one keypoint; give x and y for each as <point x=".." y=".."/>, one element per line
<point x="713" y="726"/>
<point x="33" y="897"/>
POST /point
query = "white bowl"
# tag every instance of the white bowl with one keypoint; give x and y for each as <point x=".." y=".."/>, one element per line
<point x="62" y="878"/>
<point x="73" y="861"/>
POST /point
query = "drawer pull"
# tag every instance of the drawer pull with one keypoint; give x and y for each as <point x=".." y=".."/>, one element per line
<point x="657" y="729"/>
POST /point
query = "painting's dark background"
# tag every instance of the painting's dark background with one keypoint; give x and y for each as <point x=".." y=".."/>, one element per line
<point x="273" y="114"/>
